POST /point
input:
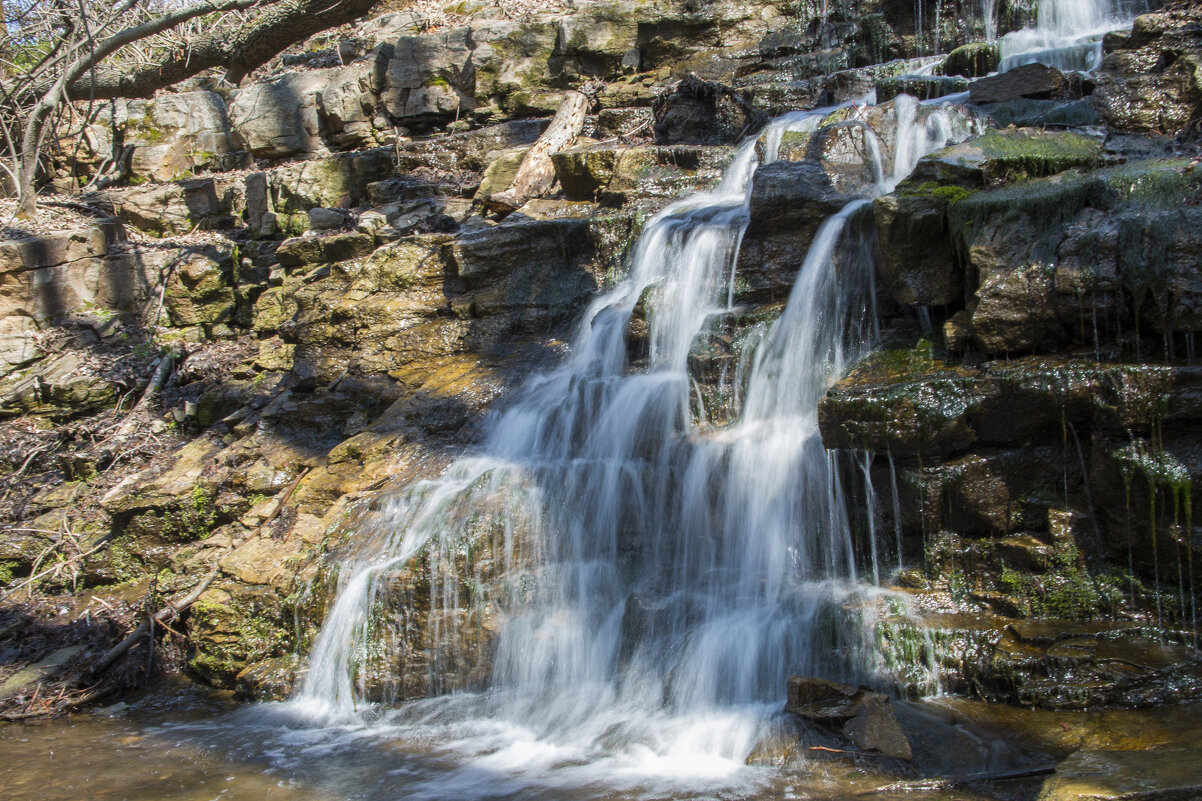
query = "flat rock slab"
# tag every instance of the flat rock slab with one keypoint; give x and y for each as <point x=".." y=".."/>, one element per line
<point x="32" y="673"/>
<point x="1157" y="775"/>
<point x="1029" y="80"/>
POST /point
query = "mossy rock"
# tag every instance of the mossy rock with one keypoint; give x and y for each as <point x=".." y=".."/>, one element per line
<point x="973" y="60"/>
<point x="1005" y="156"/>
<point x="583" y="172"/>
<point x="199" y="293"/>
<point x="234" y="626"/>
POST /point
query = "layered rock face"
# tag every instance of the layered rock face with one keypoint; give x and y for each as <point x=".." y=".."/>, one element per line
<point x="396" y="78"/>
<point x="342" y="311"/>
<point x="1030" y="425"/>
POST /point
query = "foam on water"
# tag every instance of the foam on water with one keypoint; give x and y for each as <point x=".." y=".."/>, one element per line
<point x="1067" y="35"/>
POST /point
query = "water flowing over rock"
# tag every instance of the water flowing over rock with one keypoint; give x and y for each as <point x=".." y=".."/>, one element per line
<point x="640" y="537"/>
<point x="895" y="395"/>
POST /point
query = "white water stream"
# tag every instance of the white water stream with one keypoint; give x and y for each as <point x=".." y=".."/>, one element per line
<point x="1067" y="35"/>
<point x="659" y="579"/>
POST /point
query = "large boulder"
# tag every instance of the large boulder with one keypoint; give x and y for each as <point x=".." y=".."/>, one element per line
<point x="1151" y="80"/>
<point x="867" y="718"/>
<point x="279" y="118"/>
<point x="1030" y="80"/>
<point x="179" y="207"/>
<point x="789" y="201"/>
<point x="199" y="291"/>
<point x="918" y="260"/>
<point x="176" y="134"/>
<point x="429" y="79"/>
<point x="70" y="276"/>
<point x="1107" y="247"/>
<point x="346" y="104"/>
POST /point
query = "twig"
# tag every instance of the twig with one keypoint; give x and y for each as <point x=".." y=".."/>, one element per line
<point x="284" y="500"/>
<point x="57" y="566"/>
<point x="840" y="751"/>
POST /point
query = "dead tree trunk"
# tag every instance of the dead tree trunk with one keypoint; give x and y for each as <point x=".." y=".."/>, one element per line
<point x="536" y="172"/>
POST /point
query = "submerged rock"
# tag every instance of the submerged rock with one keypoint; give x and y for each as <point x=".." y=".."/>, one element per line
<point x="1158" y="774"/>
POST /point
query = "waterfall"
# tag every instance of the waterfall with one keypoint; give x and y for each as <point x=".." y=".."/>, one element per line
<point x="655" y="579"/>
<point x="1067" y="35"/>
<point x="989" y="15"/>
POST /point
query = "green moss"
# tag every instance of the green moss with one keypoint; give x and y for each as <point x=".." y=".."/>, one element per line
<point x="1020" y="154"/>
<point x="973" y="60"/>
<point x="6" y="571"/>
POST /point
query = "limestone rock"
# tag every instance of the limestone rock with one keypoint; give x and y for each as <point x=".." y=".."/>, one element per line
<point x="789" y="201"/>
<point x="820" y="699"/>
<point x="337" y="182"/>
<point x="172" y="488"/>
<point x="471" y="150"/>
<point x="875" y="728"/>
<point x="176" y="134"/>
<point x="346" y="103"/>
<point x="173" y="208"/>
<point x="618" y="175"/>
<point x="924" y="87"/>
<point x="598" y="45"/>
<point x="323" y="219"/>
<point x="1056" y="250"/>
<point x="278" y="118"/>
<point x="18" y="343"/>
<point x="304" y="250"/>
<point x="1025" y="112"/>
<point x="868" y="717"/>
<point x="1149" y="81"/>
<point x="199" y="292"/>
<point x="1005" y="156"/>
<point x="917" y="263"/>
<point x="516" y="66"/>
<point x="428" y="78"/>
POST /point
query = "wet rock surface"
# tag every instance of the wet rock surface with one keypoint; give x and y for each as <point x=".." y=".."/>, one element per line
<point x="341" y="318"/>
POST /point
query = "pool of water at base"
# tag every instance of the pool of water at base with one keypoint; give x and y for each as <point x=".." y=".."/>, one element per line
<point x="188" y="746"/>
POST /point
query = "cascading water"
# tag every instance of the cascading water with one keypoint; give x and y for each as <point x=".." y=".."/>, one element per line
<point x="655" y="580"/>
<point x="1067" y="35"/>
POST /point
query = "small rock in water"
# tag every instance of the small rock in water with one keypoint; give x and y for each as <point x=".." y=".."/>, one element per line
<point x="871" y="723"/>
<point x="876" y="728"/>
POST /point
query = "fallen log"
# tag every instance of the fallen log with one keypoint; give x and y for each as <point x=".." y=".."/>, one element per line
<point x="536" y="173"/>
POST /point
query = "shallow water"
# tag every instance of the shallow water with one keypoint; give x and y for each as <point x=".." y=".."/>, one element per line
<point x="180" y="744"/>
<point x="186" y="746"/>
